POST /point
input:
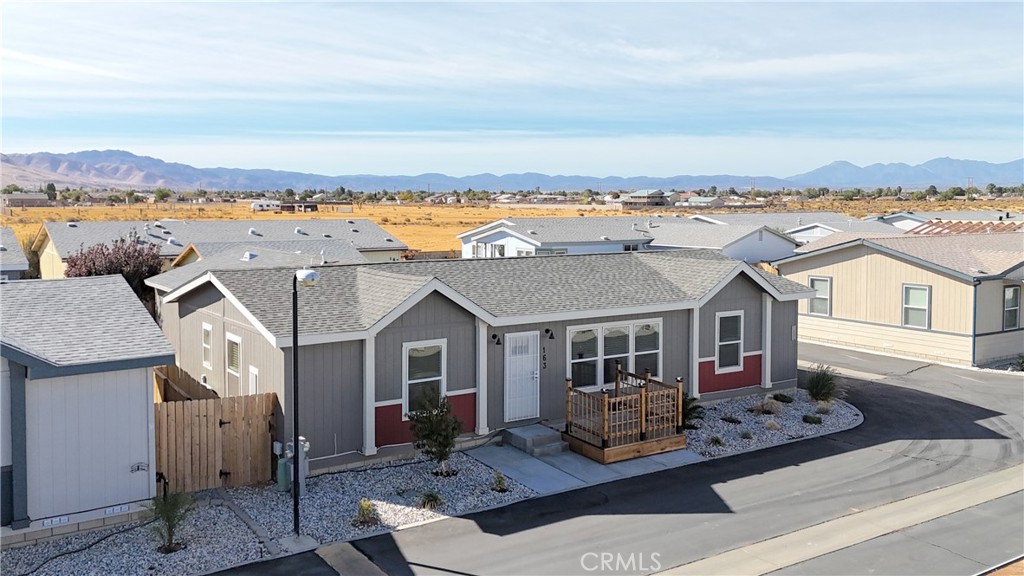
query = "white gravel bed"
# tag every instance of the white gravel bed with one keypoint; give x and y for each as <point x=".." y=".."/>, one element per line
<point x="331" y="501"/>
<point x="213" y="535"/>
<point x="790" y="420"/>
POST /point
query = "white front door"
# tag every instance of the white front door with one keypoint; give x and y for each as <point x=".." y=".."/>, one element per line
<point x="522" y="376"/>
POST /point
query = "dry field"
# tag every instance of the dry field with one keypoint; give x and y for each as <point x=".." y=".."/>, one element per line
<point x="421" y="227"/>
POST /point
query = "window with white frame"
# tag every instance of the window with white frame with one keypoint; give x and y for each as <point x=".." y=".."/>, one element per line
<point x="498" y="250"/>
<point x="729" y="341"/>
<point x="480" y="250"/>
<point x="916" y="306"/>
<point x="423" y="368"/>
<point x="594" y="350"/>
<point x="254" y="380"/>
<point x="234" y="354"/>
<point x="207" y="345"/>
<point x="822" y="301"/>
<point x="630" y="247"/>
<point x="521" y="252"/>
<point x="1011" y="307"/>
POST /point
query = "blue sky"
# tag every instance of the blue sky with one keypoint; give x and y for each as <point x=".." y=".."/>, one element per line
<point x="566" y="88"/>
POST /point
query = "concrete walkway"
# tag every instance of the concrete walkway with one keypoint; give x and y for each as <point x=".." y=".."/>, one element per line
<point x="567" y="470"/>
<point x="789" y="549"/>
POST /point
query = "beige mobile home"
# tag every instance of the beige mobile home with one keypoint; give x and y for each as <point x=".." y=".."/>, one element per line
<point x="949" y="298"/>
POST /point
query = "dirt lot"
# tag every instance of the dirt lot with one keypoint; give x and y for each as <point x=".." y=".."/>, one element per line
<point x="422" y="227"/>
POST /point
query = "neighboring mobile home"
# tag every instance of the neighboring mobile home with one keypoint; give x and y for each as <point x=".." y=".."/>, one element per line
<point x="13" y="262"/>
<point x="803" y="227"/>
<point x="499" y="337"/>
<point x="55" y="241"/>
<point x="946" y="298"/>
<point x="77" y="407"/>
<point x="512" y="237"/>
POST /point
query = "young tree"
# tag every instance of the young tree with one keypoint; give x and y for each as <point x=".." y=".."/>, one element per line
<point x="435" y="428"/>
<point x="131" y="257"/>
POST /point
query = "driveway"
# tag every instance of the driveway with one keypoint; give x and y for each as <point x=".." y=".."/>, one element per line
<point x="925" y="427"/>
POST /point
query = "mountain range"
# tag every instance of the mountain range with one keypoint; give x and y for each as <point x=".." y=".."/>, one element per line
<point x="120" y="169"/>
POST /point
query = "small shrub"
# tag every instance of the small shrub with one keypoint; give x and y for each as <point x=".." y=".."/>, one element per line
<point x="812" y="419"/>
<point x="431" y="500"/>
<point x="434" y="429"/>
<point x="822" y="383"/>
<point x="767" y="406"/>
<point x="366" y="515"/>
<point x="692" y="411"/>
<point x="1019" y="365"/>
<point x="784" y="398"/>
<point x="824" y="407"/>
<point x="385" y="220"/>
<point x="170" y="512"/>
<point x="772" y="425"/>
<point x="731" y="419"/>
<point x="746" y="435"/>
<point x="498" y="482"/>
<point x="716" y="441"/>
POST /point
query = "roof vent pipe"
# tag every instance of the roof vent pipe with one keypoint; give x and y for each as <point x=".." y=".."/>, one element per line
<point x="252" y="232"/>
<point x="298" y="230"/>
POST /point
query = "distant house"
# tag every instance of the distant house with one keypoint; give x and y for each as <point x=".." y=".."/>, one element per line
<point x="801" y="226"/>
<point x="645" y="198"/>
<point x="945" y="298"/>
<point x="25" y="200"/>
<point x="908" y="220"/>
<point x="12" y="258"/>
<point x="76" y="357"/>
<point x="55" y="241"/>
<point x="499" y="338"/>
<point x="704" y="202"/>
<point x="512" y="237"/>
<point x="966" y="227"/>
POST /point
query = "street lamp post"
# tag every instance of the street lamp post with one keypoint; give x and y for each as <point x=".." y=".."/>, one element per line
<point x="305" y="277"/>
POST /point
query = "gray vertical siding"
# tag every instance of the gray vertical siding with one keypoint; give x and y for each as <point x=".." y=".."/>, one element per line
<point x="208" y="305"/>
<point x="784" y="346"/>
<point x="330" y="397"/>
<point x="434" y="317"/>
<point x="674" y="348"/>
<point x="740" y="294"/>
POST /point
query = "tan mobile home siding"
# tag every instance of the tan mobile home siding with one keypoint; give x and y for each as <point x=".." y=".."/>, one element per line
<point x="50" y="264"/>
<point x="867" y="285"/>
<point x="887" y="339"/>
<point x="996" y="347"/>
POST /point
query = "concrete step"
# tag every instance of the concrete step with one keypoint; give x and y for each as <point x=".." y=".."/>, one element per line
<point x="535" y="439"/>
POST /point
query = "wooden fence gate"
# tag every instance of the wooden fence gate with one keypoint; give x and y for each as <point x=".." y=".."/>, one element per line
<point x="216" y="442"/>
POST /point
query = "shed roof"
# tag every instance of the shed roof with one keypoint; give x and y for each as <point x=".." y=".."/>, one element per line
<point x="12" y="257"/>
<point x="101" y="322"/>
<point x="69" y="237"/>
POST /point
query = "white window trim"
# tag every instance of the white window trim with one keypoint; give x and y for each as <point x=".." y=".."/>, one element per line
<point x="254" y="371"/>
<point x="523" y="252"/>
<point x="443" y="343"/>
<point x="204" y="346"/>
<point x="229" y="337"/>
<point x="927" y="307"/>
<point x="718" y="341"/>
<point x="630" y="358"/>
<point x="1006" y="309"/>
<point x="810" y="281"/>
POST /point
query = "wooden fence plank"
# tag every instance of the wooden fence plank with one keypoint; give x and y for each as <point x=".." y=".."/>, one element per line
<point x="186" y="453"/>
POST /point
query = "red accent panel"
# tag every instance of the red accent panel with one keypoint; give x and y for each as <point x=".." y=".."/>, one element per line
<point x="389" y="428"/>
<point x="749" y="376"/>
<point x="464" y="406"/>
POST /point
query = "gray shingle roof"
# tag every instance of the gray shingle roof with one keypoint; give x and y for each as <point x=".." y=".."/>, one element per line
<point x="785" y="220"/>
<point x="69" y="237"/>
<point x="577" y="229"/>
<point x="354" y="297"/>
<point x="12" y="257"/>
<point x="99" y="320"/>
<point x="703" y="236"/>
<point x="334" y="251"/>
<point x="974" y="255"/>
<point x="840" y="238"/>
<point x="260" y="256"/>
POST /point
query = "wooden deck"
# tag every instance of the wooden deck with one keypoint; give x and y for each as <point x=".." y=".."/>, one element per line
<point x="640" y="416"/>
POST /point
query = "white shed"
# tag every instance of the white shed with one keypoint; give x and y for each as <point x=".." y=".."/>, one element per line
<point x="77" y="395"/>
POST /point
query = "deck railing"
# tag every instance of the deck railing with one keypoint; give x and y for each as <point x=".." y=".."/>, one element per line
<point x="639" y="408"/>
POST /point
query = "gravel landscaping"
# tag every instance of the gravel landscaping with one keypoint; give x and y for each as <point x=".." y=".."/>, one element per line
<point x="214" y="536"/>
<point x="331" y="501"/>
<point x="789" y="419"/>
<point x="217" y="538"/>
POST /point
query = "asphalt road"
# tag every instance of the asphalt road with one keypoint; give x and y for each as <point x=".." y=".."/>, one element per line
<point x="925" y="427"/>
